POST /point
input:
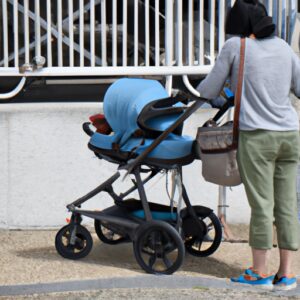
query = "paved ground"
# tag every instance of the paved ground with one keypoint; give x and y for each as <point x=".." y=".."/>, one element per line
<point x="28" y="259"/>
<point x="162" y="294"/>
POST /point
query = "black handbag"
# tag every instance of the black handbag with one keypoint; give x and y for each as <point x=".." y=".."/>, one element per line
<point x="217" y="145"/>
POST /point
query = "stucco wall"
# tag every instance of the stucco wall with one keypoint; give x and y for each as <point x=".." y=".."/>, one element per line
<point x="45" y="164"/>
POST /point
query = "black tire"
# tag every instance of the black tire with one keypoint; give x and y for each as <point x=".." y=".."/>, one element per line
<point x="82" y="246"/>
<point x="212" y="237"/>
<point x="155" y="245"/>
<point x="107" y="235"/>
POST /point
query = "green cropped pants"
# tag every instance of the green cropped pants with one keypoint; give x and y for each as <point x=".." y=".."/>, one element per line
<point x="268" y="163"/>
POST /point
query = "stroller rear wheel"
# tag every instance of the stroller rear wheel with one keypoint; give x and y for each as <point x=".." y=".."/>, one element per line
<point x="107" y="235"/>
<point x="158" y="248"/>
<point x="73" y="245"/>
<point x="211" y="237"/>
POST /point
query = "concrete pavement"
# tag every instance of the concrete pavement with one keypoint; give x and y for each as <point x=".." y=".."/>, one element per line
<point x="30" y="267"/>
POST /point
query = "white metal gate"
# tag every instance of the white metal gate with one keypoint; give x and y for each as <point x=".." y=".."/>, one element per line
<point x="117" y="37"/>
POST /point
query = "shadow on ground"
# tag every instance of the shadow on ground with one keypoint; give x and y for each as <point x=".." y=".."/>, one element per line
<point x="31" y="257"/>
<point x="122" y="256"/>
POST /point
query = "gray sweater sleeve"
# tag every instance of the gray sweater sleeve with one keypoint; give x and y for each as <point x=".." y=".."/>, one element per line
<point x="296" y="74"/>
<point x="212" y="85"/>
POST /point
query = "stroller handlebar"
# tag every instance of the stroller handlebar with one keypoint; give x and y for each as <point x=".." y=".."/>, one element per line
<point x="190" y="96"/>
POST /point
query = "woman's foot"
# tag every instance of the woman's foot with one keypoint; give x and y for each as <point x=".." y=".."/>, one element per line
<point x="250" y="277"/>
<point x="285" y="282"/>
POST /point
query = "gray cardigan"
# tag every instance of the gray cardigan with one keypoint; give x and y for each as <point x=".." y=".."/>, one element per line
<point x="272" y="70"/>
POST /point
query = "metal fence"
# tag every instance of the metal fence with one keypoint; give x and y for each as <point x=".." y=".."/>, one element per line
<point x="109" y="37"/>
<point x="117" y="37"/>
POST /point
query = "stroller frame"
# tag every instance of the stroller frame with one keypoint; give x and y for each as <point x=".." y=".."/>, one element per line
<point x="153" y="237"/>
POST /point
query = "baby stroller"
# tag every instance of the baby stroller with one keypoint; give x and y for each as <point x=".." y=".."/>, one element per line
<point x="147" y="139"/>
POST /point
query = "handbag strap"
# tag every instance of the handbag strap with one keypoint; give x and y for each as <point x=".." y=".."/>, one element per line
<point x="238" y="95"/>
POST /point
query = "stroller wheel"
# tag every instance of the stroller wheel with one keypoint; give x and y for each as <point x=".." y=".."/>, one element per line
<point x="212" y="237"/>
<point x="107" y="235"/>
<point x="158" y="248"/>
<point x="75" y="247"/>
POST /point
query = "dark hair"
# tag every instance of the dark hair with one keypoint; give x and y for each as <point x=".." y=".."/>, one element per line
<point x="249" y="16"/>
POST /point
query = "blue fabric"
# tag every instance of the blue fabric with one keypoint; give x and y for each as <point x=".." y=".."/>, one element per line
<point x="173" y="147"/>
<point x="156" y="215"/>
<point x="104" y="141"/>
<point x="125" y="99"/>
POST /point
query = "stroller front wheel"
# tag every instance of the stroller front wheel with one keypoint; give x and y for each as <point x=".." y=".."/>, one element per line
<point x="158" y="248"/>
<point x="73" y="245"/>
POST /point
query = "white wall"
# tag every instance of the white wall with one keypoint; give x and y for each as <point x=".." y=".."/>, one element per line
<point x="45" y="164"/>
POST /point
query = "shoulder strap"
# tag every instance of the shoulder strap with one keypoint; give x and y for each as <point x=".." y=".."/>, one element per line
<point x="238" y="94"/>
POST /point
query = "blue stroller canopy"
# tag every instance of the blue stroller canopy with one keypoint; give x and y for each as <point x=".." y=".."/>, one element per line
<point x="123" y="103"/>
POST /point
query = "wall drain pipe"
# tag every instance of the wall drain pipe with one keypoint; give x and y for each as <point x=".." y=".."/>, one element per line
<point x="37" y="63"/>
<point x="15" y="91"/>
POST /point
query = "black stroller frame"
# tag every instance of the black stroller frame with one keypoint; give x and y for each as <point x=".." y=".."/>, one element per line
<point x="159" y="245"/>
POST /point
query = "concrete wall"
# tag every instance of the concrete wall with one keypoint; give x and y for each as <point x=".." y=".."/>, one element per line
<point x="45" y="164"/>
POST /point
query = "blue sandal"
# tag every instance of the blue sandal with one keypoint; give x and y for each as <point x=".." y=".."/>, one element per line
<point x="252" y="278"/>
<point x="284" y="283"/>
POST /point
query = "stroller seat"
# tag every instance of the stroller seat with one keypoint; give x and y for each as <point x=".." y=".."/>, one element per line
<point x="173" y="148"/>
<point x="128" y="108"/>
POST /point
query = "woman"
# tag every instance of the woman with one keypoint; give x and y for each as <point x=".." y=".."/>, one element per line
<point x="268" y="150"/>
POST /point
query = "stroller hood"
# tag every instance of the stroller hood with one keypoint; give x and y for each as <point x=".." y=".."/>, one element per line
<point x="125" y="99"/>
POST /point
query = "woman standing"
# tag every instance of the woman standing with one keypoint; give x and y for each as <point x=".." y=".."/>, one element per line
<point x="269" y="146"/>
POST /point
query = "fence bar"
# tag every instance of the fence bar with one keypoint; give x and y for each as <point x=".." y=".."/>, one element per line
<point x="113" y="71"/>
<point x="212" y="30"/>
<point x="279" y="18"/>
<point x="26" y="31"/>
<point x="201" y="32"/>
<point x="5" y="32"/>
<point x="136" y="38"/>
<point x="283" y="8"/>
<point x="92" y="32"/>
<point x="147" y="34"/>
<point x="288" y="19"/>
<point x="49" y="36"/>
<point x="59" y="37"/>
<point x="16" y="34"/>
<point x="178" y="44"/>
<point x="37" y="28"/>
<point x="157" y="31"/>
<point x="81" y="33"/>
<point x="270" y="8"/>
<point x="169" y="41"/>
<point x="124" y="37"/>
<point x="103" y="33"/>
<point x="221" y="24"/>
<point x="190" y="32"/>
<point x="169" y="32"/>
<point x="114" y="33"/>
<point x="71" y="34"/>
